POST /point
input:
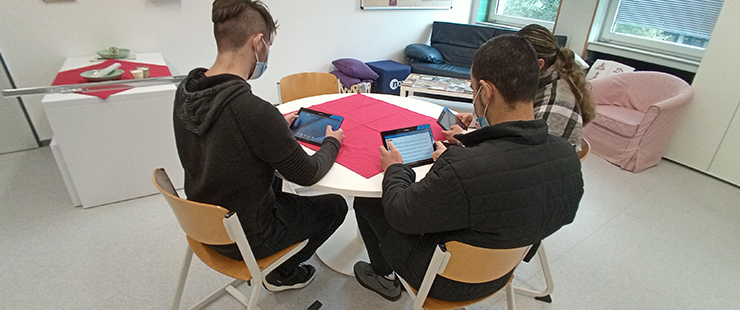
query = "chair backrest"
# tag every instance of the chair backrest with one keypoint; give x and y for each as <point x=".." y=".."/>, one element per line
<point x="307" y="84"/>
<point x="637" y="90"/>
<point x="471" y="264"/>
<point x="200" y="221"/>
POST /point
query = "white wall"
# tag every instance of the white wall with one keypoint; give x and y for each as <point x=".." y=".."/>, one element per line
<point x="574" y="21"/>
<point x="36" y="37"/>
<point x="704" y="126"/>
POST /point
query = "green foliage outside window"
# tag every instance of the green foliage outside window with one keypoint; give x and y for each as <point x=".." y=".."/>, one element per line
<point x="535" y="9"/>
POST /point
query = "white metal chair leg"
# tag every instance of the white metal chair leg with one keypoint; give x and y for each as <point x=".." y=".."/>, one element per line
<point x="510" y="302"/>
<point x="183" y="276"/>
<point x="543" y="295"/>
<point x="216" y="294"/>
<point x="250" y="303"/>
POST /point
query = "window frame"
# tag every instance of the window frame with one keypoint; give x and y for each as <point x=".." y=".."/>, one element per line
<point x="642" y="43"/>
<point x="513" y="21"/>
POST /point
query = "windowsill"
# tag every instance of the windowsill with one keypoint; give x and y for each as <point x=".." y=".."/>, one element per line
<point x="646" y="56"/>
<point x="498" y="25"/>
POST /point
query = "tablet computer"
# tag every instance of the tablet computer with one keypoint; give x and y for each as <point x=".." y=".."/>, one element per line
<point x="310" y="126"/>
<point x="447" y="119"/>
<point x="415" y="143"/>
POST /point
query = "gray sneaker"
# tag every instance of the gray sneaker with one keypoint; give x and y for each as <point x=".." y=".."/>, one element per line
<point x="389" y="289"/>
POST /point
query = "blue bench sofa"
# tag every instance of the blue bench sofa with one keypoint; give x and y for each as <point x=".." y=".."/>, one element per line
<point x="451" y="49"/>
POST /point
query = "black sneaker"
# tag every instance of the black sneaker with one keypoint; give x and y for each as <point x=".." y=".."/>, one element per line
<point x="389" y="289"/>
<point x="299" y="278"/>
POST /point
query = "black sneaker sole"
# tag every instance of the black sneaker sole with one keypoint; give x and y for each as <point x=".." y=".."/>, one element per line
<point x="273" y="288"/>
<point x="391" y="298"/>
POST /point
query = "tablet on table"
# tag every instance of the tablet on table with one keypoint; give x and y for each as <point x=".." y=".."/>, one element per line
<point x="310" y="126"/>
<point x="415" y="143"/>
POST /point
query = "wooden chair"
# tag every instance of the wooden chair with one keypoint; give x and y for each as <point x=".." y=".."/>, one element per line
<point x="210" y="224"/>
<point x="469" y="264"/>
<point x="307" y="84"/>
<point x="544" y="295"/>
<point x="585" y="149"/>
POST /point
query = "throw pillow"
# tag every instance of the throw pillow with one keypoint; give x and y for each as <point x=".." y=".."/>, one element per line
<point x="346" y="80"/>
<point x="355" y="68"/>
<point x="423" y="53"/>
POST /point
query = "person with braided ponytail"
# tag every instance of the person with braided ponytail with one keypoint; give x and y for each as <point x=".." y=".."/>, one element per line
<point x="563" y="98"/>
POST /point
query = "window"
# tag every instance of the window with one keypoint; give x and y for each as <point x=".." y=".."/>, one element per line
<point x="519" y="13"/>
<point x="673" y="27"/>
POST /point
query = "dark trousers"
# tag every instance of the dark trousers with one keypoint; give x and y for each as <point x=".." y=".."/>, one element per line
<point x="299" y="218"/>
<point x="373" y="228"/>
<point x="295" y="218"/>
<point x="409" y="255"/>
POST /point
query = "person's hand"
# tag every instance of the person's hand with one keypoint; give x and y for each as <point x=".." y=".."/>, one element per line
<point x="466" y="118"/>
<point x="441" y="148"/>
<point x="339" y="133"/>
<point x="388" y="158"/>
<point x="450" y="134"/>
<point x="290" y="117"/>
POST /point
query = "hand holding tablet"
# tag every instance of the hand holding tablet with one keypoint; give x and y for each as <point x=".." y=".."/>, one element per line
<point x="415" y="144"/>
<point x="311" y="126"/>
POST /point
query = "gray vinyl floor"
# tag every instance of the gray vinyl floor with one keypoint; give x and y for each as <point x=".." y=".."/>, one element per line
<point x="666" y="238"/>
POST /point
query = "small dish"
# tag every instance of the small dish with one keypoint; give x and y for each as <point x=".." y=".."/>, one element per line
<point x="113" y="75"/>
<point x="114" y="53"/>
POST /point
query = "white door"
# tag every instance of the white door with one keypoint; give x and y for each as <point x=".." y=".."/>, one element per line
<point x="16" y="132"/>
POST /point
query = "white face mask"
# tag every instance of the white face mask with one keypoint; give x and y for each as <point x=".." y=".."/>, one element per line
<point x="260" y="67"/>
<point x="479" y="122"/>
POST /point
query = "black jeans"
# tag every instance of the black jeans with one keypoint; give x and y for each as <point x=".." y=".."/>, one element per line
<point x="373" y="227"/>
<point x="296" y="218"/>
<point x="390" y="250"/>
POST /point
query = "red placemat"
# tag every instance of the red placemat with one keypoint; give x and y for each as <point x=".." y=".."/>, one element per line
<point x="364" y="119"/>
<point x="73" y="76"/>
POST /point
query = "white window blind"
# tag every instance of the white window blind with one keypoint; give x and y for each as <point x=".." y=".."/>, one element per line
<point x="687" y="17"/>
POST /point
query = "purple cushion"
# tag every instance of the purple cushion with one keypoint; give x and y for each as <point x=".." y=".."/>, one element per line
<point x="355" y="68"/>
<point x="346" y="80"/>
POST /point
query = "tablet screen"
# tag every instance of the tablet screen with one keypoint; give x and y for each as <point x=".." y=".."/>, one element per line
<point x="416" y="144"/>
<point x="447" y="119"/>
<point x="310" y="126"/>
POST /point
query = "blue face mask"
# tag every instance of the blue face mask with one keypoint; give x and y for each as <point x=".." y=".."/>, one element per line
<point x="479" y="122"/>
<point x="260" y="67"/>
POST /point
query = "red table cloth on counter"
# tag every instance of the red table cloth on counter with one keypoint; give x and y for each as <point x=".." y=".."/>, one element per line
<point x="73" y="76"/>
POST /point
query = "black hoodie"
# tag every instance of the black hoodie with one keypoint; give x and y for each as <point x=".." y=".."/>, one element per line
<point x="230" y="143"/>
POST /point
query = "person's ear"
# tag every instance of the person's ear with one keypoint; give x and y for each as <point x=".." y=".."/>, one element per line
<point x="490" y="92"/>
<point x="257" y="44"/>
<point x="541" y="63"/>
<point x="486" y="89"/>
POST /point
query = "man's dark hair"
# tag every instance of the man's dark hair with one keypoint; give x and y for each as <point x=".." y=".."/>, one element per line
<point x="510" y="63"/>
<point x="234" y="21"/>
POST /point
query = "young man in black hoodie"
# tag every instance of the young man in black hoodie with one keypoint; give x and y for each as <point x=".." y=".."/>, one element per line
<point x="231" y="142"/>
<point x="511" y="185"/>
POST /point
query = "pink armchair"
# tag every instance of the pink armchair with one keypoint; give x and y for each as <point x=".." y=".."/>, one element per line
<point x="635" y="115"/>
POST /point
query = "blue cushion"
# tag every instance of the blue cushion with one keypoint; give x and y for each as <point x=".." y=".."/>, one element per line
<point x="423" y="53"/>
<point x="355" y="68"/>
<point x="441" y="70"/>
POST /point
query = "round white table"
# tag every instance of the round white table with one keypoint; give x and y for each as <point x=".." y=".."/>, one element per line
<point x="345" y="246"/>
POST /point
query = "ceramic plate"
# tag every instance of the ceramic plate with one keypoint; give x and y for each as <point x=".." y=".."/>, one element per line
<point x="120" y="53"/>
<point x="88" y="75"/>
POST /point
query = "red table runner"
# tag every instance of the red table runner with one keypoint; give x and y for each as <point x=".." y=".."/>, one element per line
<point x="73" y="76"/>
<point x="364" y="119"/>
